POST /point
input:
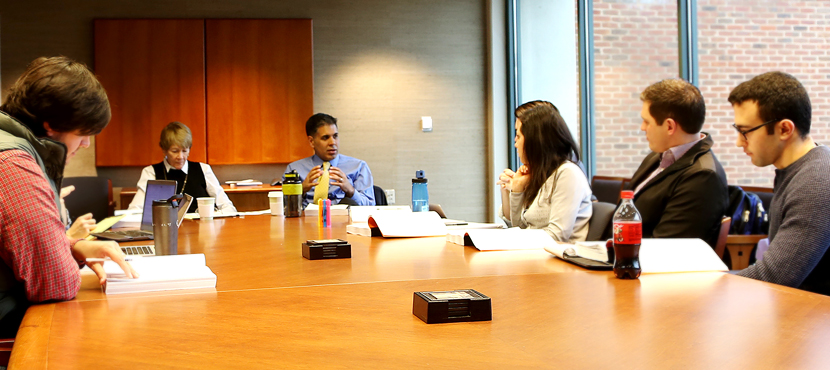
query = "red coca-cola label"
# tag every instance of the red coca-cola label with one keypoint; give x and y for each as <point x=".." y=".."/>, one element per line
<point x="628" y="232"/>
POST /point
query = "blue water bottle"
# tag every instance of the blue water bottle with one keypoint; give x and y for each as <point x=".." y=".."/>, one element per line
<point x="420" y="196"/>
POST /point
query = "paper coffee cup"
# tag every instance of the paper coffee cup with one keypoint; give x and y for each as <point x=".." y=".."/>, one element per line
<point x="275" y="200"/>
<point x="206" y="206"/>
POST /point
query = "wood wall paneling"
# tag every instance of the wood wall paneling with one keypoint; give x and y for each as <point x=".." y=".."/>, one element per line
<point x="259" y="89"/>
<point x="153" y="71"/>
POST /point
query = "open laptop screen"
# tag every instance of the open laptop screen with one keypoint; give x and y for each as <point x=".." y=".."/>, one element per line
<point x="156" y="190"/>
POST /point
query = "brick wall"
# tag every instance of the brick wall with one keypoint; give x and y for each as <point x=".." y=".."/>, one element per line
<point x="738" y="40"/>
<point x="636" y="44"/>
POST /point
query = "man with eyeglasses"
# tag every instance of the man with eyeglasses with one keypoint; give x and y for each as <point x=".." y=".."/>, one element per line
<point x="680" y="188"/>
<point x="772" y="117"/>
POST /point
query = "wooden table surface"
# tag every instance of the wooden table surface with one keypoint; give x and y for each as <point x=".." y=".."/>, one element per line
<point x="274" y="309"/>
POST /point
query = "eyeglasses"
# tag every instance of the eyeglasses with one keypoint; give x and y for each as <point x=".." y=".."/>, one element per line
<point x="744" y="132"/>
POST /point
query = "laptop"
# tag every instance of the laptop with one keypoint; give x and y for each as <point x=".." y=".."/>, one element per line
<point x="156" y="189"/>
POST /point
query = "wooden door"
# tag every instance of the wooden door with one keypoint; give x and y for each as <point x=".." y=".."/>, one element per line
<point x="259" y="89"/>
<point x="153" y="71"/>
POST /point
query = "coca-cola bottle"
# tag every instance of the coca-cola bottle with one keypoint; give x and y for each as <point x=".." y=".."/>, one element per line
<point x="628" y="233"/>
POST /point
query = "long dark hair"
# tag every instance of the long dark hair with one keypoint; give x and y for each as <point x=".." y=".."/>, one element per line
<point x="548" y="144"/>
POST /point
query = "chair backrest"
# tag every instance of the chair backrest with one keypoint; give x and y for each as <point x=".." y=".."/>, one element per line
<point x="437" y="209"/>
<point x="720" y="247"/>
<point x="380" y="196"/>
<point x="764" y="193"/>
<point x="607" y="189"/>
<point x="601" y="215"/>
<point x="91" y="195"/>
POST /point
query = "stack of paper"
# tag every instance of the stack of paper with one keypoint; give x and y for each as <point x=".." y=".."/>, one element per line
<point x="360" y="214"/>
<point x="361" y="229"/>
<point x="459" y="226"/>
<point x="186" y="271"/>
<point x="248" y="182"/>
<point x="591" y="250"/>
<point x="400" y="225"/>
<point x="502" y="239"/>
<point x="678" y="255"/>
<point x="656" y="255"/>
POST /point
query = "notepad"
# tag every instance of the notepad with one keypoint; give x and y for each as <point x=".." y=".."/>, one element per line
<point x="159" y="273"/>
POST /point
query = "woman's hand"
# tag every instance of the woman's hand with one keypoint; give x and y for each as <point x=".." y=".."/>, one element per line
<point x="520" y="179"/>
<point x="81" y="227"/>
<point x="506" y="180"/>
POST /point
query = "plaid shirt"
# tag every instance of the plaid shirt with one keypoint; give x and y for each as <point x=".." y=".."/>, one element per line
<point x="33" y="241"/>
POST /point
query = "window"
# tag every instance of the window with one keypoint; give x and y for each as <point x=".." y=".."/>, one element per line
<point x="739" y="40"/>
<point x="635" y="45"/>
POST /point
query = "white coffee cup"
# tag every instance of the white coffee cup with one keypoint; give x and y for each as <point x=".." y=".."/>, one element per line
<point x="275" y="200"/>
<point x="206" y="206"/>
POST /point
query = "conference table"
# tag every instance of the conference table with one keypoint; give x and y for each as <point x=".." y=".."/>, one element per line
<point x="272" y="308"/>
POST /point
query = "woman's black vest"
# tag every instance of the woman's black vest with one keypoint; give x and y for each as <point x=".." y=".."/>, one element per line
<point x="196" y="185"/>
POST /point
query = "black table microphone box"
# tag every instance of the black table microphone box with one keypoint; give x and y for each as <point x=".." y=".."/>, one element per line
<point x="451" y="306"/>
<point x="327" y="249"/>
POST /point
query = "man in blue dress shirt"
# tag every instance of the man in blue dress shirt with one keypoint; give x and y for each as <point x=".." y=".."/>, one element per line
<point x="350" y="179"/>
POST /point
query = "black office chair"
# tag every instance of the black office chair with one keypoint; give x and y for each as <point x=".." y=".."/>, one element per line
<point x="380" y="196"/>
<point x="601" y="216"/>
<point x="437" y="209"/>
<point x="607" y="189"/>
<point x="91" y="195"/>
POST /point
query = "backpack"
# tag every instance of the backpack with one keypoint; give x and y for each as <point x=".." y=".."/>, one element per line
<point x="748" y="213"/>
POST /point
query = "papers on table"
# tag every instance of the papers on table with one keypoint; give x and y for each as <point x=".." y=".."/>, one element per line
<point x="217" y="214"/>
<point x="656" y="255"/>
<point x="678" y="255"/>
<point x="591" y="250"/>
<point x="131" y="220"/>
<point x="248" y="182"/>
<point x="401" y="222"/>
<point x="186" y="271"/>
<point x="502" y="239"/>
<point x="407" y="224"/>
<point x="361" y="229"/>
<point x="360" y="214"/>
<point x="455" y="227"/>
<point x="106" y="224"/>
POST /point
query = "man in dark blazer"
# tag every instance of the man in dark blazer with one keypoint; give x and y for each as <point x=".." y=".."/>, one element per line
<point x="680" y="188"/>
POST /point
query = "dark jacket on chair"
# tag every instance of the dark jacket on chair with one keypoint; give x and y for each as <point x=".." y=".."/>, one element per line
<point x="687" y="200"/>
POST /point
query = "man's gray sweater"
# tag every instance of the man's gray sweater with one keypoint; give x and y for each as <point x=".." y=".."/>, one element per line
<point x="799" y="231"/>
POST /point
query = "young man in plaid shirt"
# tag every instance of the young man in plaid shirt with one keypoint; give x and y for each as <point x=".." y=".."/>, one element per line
<point x="49" y="113"/>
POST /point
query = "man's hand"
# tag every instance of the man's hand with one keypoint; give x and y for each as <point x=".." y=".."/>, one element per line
<point x="311" y="179"/>
<point x="81" y="227"/>
<point x="84" y="249"/>
<point x="340" y="179"/>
